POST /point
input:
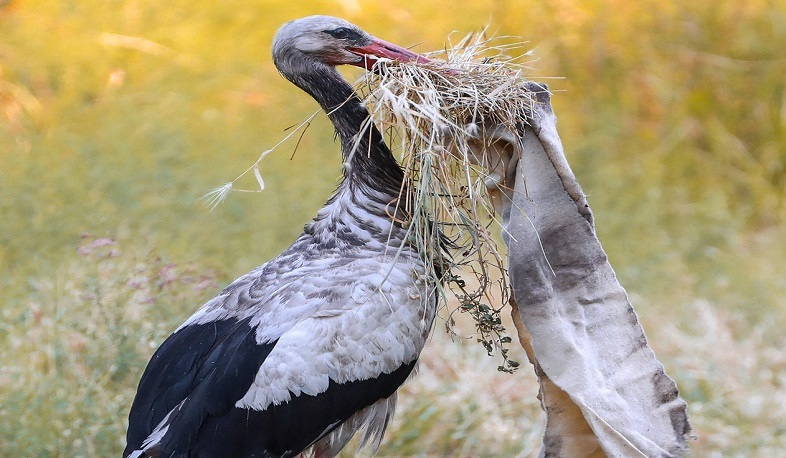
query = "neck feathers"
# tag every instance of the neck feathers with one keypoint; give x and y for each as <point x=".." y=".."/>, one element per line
<point x="368" y="160"/>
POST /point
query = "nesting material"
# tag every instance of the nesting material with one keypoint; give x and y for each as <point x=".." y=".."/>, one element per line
<point x="447" y="116"/>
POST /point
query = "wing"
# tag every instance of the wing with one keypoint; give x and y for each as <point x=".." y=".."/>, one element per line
<point x="199" y="371"/>
<point x="186" y="402"/>
<point x="289" y="428"/>
<point x="330" y="348"/>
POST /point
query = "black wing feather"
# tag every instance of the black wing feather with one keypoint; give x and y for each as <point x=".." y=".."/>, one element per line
<point x="287" y="429"/>
<point x="208" y="368"/>
<point x="211" y="364"/>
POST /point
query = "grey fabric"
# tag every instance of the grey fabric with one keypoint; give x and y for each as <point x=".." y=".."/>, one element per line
<point x="585" y="335"/>
<point x="603" y="390"/>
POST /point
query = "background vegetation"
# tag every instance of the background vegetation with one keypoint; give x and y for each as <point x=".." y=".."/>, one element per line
<point x="116" y="115"/>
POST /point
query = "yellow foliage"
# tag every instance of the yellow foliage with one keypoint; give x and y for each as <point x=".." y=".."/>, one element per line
<point x="115" y="116"/>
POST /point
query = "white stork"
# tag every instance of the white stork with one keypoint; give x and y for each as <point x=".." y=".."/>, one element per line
<point x="305" y="350"/>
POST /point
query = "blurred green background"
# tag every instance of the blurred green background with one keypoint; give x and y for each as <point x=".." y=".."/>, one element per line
<point x="115" y="116"/>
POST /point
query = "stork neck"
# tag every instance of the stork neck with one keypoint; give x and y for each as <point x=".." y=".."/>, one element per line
<point x="368" y="160"/>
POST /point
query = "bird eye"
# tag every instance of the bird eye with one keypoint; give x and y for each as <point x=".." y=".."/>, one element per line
<point x="341" y="33"/>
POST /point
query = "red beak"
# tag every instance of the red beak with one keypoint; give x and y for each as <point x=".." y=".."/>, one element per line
<point x="380" y="48"/>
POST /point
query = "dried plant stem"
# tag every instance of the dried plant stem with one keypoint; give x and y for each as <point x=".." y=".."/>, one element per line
<point x="437" y="114"/>
<point x="217" y="195"/>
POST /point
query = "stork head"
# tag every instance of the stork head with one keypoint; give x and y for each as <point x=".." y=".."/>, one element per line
<point x="332" y="41"/>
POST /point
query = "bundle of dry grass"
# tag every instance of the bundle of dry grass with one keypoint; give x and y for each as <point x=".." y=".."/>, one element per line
<point x="443" y="115"/>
